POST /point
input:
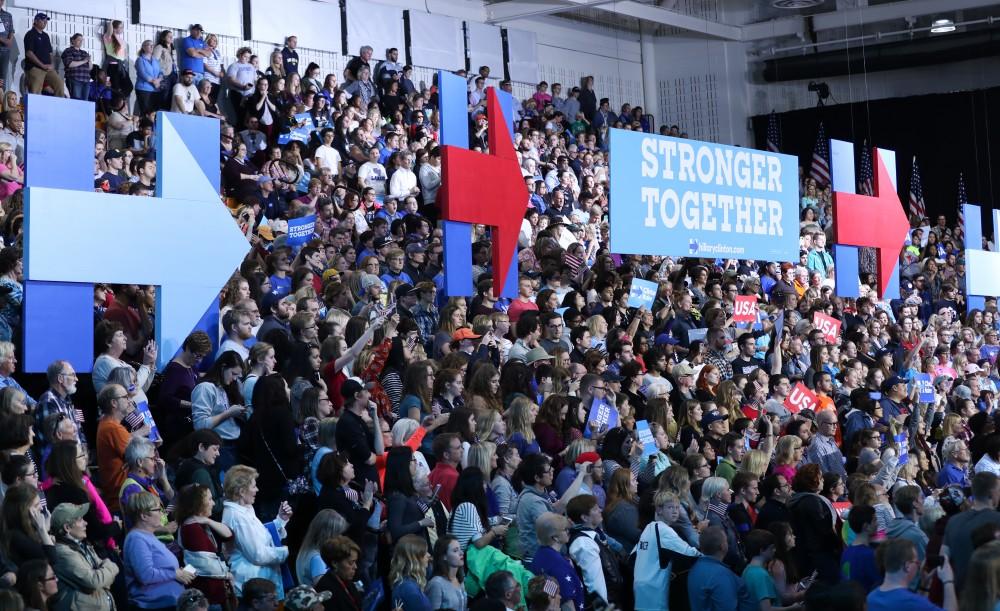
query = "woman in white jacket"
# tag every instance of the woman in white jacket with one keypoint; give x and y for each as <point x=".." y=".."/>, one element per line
<point x="652" y="581"/>
<point x="256" y="554"/>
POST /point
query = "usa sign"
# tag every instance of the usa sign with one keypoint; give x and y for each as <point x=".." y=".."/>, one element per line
<point x="801" y="398"/>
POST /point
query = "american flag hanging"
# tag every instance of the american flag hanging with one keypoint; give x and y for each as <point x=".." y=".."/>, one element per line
<point x="773" y="134"/>
<point x="962" y="200"/>
<point x="866" y="186"/>
<point x="820" y="169"/>
<point x="917" y="207"/>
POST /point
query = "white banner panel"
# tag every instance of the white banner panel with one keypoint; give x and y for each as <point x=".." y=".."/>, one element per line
<point x="217" y="16"/>
<point x="485" y="48"/>
<point x="105" y="9"/>
<point x="522" y="56"/>
<point x="376" y="25"/>
<point x="436" y="41"/>
<point x="316" y="24"/>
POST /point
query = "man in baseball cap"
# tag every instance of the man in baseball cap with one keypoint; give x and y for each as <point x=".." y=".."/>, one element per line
<point x="305" y="598"/>
<point x="354" y="437"/>
<point x="64" y="518"/>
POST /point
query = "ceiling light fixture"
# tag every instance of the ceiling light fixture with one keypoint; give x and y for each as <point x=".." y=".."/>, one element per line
<point x="795" y="5"/>
<point x="942" y="26"/>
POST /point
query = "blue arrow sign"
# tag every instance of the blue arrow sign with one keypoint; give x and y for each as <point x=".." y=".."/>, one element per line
<point x="183" y="240"/>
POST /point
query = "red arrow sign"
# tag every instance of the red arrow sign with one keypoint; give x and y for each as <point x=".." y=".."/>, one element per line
<point x="487" y="189"/>
<point x="861" y="220"/>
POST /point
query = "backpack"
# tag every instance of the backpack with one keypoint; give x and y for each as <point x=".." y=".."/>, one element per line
<point x="614" y="573"/>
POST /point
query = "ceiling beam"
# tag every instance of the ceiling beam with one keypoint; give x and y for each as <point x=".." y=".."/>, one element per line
<point x="510" y="11"/>
<point x="832" y="20"/>
<point x="655" y="14"/>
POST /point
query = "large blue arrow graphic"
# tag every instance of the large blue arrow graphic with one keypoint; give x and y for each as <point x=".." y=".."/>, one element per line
<point x="184" y="240"/>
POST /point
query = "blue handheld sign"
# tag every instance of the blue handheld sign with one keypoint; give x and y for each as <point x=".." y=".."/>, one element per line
<point x="602" y="414"/>
<point x="925" y="389"/>
<point x="642" y="293"/>
<point x="645" y="438"/>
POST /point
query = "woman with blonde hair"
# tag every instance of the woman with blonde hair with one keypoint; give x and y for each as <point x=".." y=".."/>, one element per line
<point x="520" y="418"/>
<point x="484" y="456"/>
<point x="727" y="395"/>
<point x="276" y="67"/>
<point x="408" y="573"/>
<point x="756" y="462"/>
<point x="490" y="426"/>
<point x="255" y="554"/>
<point x="598" y="326"/>
<point x="787" y="456"/>
<point x="11" y="174"/>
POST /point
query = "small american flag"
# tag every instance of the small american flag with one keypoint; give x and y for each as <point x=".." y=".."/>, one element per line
<point x="773" y="134"/>
<point x="917" y="207"/>
<point x="866" y="186"/>
<point x="962" y="200"/>
<point x="820" y="170"/>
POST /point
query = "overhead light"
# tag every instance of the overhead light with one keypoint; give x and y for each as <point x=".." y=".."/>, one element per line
<point x="942" y="26"/>
<point x="795" y="5"/>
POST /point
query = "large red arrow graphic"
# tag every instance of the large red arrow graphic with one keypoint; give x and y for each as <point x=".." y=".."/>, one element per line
<point x="879" y="221"/>
<point x="487" y="189"/>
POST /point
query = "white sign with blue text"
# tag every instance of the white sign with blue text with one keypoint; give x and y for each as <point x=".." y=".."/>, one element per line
<point x="680" y="197"/>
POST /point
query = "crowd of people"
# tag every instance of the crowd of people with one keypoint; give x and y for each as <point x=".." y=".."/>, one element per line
<point x="361" y="440"/>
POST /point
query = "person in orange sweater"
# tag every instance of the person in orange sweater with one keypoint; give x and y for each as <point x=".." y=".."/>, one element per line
<point x="112" y="437"/>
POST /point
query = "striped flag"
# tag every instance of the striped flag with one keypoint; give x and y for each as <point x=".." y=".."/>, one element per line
<point x="820" y="169"/>
<point x="773" y="134"/>
<point x="917" y="207"/>
<point x="866" y="186"/>
<point x="962" y="200"/>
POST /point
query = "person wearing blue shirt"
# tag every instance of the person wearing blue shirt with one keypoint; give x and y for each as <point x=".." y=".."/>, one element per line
<point x="390" y="211"/>
<point x="956" y="467"/>
<point x="408" y="574"/>
<point x="552" y="530"/>
<point x="899" y="558"/>
<point x="192" y="51"/>
<point x="8" y="362"/>
<point x="857" y="561"/>
<point x="394" y="268"/>
<point x="713" y="586"/>
<point x="148" y="76"/>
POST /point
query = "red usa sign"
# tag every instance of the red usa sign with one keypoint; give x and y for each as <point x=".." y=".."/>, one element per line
<point x="745" y="309"/>
<point x="829" y="325"/>
<point x="801" y="398"/>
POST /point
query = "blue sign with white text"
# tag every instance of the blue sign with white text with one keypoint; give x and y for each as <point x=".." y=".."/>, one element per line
<point x="301" y="230"/>
<point x="925" y="389"/>
<point x="642" y="294"/>
<point x="685" y="198"/>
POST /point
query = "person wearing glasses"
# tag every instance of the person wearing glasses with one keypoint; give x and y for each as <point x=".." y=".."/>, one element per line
<point x="552" y="332"/>
<point x="112" y="438"/>
<point x="69" y="483"/>
<point x="823" y="450"/>
<point x="147" y="473"/>
<point x="58" y="399"/>
<point x="152" y="573"/>
<point x="36" y="583"/>
<point x="502" y="590"/>
<point x="776" y="491"/>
